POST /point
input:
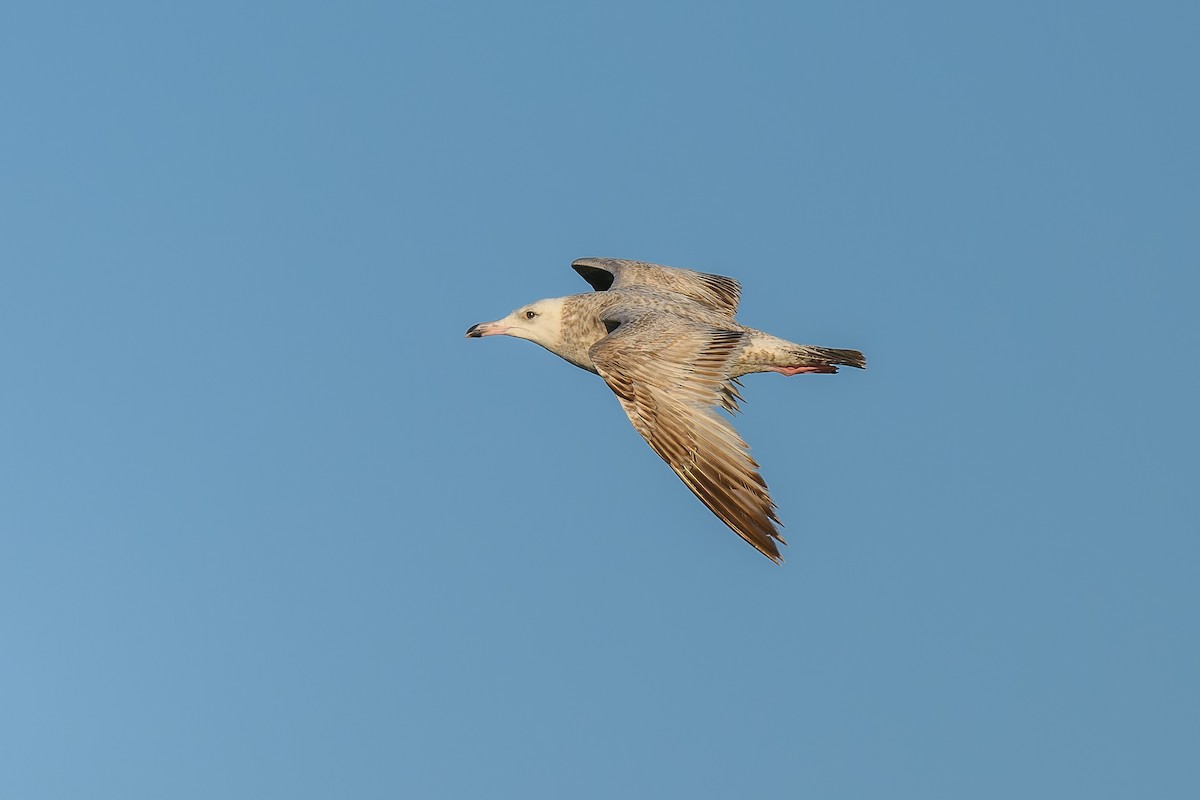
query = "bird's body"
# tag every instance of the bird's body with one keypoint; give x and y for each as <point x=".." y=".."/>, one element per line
<point x="666" y="342"/>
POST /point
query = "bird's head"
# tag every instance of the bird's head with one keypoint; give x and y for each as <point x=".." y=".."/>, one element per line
<point x="539" y="322"/>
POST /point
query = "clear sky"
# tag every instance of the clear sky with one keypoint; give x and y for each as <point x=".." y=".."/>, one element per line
<point x="271" y="527"/>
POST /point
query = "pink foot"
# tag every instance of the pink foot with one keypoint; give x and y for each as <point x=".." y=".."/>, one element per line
<point x="824" y="369"/>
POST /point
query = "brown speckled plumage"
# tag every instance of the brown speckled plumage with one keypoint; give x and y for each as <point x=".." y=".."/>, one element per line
<point x="667" y="343"/>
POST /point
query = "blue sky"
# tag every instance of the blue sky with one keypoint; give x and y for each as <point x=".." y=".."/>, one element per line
<point x="270" y="527"/>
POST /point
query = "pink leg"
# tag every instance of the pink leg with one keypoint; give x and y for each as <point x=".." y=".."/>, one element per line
<point x="824" y="369"/>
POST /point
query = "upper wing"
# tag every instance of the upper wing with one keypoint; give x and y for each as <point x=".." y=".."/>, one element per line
<point x="716" y="291"/>
<point x="670" y="374"/>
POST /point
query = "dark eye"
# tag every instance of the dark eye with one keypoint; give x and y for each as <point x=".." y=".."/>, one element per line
<point x="530" y="314"/>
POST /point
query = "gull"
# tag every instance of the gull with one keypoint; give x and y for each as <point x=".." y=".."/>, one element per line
<point x="665" y="341"/>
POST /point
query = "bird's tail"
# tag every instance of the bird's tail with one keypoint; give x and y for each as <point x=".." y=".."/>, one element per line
<point x="830" y="356"/>
<point x="766" y="353"/>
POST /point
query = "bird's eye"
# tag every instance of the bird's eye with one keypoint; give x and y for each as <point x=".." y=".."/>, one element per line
<point x="530" y="314"/>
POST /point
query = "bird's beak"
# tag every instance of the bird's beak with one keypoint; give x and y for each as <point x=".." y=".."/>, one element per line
<point x="486" y="329"/>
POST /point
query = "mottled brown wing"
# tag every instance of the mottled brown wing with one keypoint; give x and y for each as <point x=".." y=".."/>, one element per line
<point x="670" y="374"/>
<point x="715" y="291"/>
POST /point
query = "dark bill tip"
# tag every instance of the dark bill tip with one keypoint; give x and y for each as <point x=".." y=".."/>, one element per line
<point x="473" y="332"/>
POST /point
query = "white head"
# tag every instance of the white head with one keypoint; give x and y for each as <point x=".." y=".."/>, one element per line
<point x="539" y="322"/>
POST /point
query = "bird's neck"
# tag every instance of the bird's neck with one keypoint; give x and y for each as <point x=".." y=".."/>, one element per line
<point x="580" y="328"/>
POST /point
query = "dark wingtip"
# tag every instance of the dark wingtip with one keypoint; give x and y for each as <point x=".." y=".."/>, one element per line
<point x="596" y="271"/>
<point x="773" y="554"/>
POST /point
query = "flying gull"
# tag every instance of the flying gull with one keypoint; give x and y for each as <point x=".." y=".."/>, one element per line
<point x="666" y="342"/>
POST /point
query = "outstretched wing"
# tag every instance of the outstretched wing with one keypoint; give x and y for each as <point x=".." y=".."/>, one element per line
<point x="670" y="374"/>
<point x="715" y="291"/>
